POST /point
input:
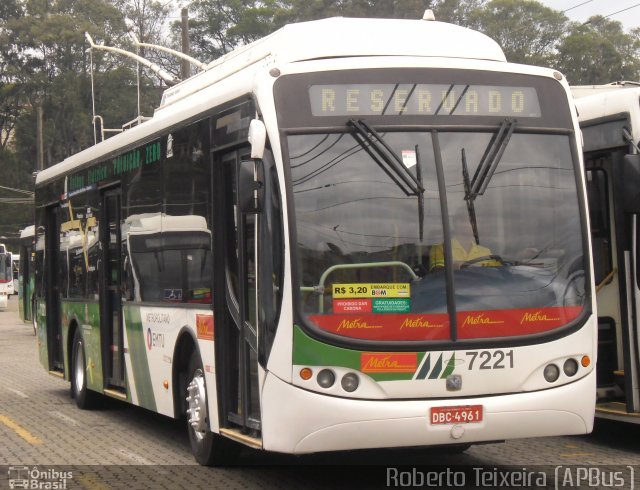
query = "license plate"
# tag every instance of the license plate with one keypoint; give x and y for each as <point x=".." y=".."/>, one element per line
<point x="466" y="414"/>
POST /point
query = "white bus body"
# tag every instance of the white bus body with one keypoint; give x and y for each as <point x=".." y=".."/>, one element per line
<point x="610" y="120"/>
<point x="308" y="315"/>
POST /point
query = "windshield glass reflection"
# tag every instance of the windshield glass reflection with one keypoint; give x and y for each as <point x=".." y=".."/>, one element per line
<point x="371" y="256"/>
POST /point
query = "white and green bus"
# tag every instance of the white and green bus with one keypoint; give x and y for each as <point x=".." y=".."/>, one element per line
<point x="610" y="121"/>
<point x="26" y="274"/>
<point x="275" y="254"/>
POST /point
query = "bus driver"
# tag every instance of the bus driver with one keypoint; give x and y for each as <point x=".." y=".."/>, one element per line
<point x="463" y="246"/>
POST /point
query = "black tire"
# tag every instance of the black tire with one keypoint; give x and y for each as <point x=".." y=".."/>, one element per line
<point x="85" y="398"/>
<point x="208" y="448"/>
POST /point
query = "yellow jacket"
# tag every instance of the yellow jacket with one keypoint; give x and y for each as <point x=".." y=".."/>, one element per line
<point x="436" y="256"/>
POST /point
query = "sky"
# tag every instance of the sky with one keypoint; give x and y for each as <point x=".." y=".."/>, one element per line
<point x="584" y="9"/>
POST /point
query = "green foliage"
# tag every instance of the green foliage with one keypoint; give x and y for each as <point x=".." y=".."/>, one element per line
<point x="527" y="31"/>
<point x="14" y="217"/>
<point x="599" y="52"/>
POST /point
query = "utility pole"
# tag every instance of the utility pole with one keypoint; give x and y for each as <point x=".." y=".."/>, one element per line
<point x="39" y="135"/>
<point x="185" y="68"/>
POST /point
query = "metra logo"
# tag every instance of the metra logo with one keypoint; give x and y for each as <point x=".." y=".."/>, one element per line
<point x="436" y="366"/>
<point x="356" y="323"/>
<point x="419" y="322"/>
<point x="383" y="362"/>
<point x="537" y="316"/>
<point x="479" y="319"/>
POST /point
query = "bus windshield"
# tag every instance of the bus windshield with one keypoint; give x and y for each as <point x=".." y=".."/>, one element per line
<point x="371" y="251"/>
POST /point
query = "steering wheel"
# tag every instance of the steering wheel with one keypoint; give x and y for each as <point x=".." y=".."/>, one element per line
<point x="471" y="262"/>
<point x="574" y="290"/>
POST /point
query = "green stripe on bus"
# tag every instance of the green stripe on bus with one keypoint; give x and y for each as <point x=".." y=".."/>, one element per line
<point x="138" y="357"/>
<point x="422" y="374"/>
<point x="436" y="369"/>
<point x="451" y="365"/>
<point x="310" y="352"/>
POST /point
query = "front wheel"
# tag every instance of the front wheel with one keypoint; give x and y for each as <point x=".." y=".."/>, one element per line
<point x="208" y="448"/>
<point x="85" y="398"/>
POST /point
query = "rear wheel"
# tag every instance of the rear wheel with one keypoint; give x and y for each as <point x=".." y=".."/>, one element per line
<point x="85" y="398"/>
<point x="208" y="448"/>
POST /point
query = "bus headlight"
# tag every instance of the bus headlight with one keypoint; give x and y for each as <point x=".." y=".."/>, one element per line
<point x="350" y="382"/>
<point x="551" y="373"/>
<point x="326" y="378"/>
<point x="570" y="367"/>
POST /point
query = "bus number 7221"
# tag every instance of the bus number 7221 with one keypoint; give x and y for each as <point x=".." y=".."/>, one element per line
<point x="491" y="360"/>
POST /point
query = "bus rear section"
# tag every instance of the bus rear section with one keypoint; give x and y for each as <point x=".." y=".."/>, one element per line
<point x="610" y="123"/>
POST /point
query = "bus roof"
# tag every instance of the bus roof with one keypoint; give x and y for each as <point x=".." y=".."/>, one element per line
<point x="154" y="222"/>
<point x="579" y="91"/>
<point x="28" y="231"/>
<point x="606" y="102"/>
<point x="336" y="37"/>
<point x="341" y="37"/>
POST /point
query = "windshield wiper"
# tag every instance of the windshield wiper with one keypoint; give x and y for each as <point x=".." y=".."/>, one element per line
<point x="386" y="158"/>
<point x="471" y="208"/>
<point x="491" y="158"/>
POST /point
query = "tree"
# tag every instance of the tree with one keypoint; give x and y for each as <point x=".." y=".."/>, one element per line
<point x="456" y="11"/>
<point x="527" y="31"/>
<point x="219" y="26"/>
<point x="598" y="52"/>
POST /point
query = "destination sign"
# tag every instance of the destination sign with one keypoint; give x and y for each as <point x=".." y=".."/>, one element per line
<point x="423" y="99"/>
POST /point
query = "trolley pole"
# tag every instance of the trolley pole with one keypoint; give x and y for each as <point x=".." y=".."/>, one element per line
<point x="185" y="69"/>
<point x="39" y="135"/>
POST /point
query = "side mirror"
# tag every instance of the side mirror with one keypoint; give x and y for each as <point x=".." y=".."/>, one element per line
<point x="250" y="186"/>
<point x="257" y="138"/>
<point x="631" y="183"/>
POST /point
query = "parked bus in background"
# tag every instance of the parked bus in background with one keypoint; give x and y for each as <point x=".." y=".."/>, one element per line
<point x="610" y="121"/>
<point x="6" y="279"/>
<point x="15" y="269"/>
<point x="273" y="255"/>
<point x="26" y="275"/>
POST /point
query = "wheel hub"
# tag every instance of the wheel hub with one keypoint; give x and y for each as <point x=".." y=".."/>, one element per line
<point x="79" y="371"/>
<point x="197" y="400"/>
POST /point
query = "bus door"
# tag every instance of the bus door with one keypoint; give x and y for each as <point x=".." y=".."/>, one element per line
<point x="238" y="346"/>
<point x="52" y="279"/>
<point x="110" y="290"/>
<point x="24" y="283"/>
<point x="613" y="243"/>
